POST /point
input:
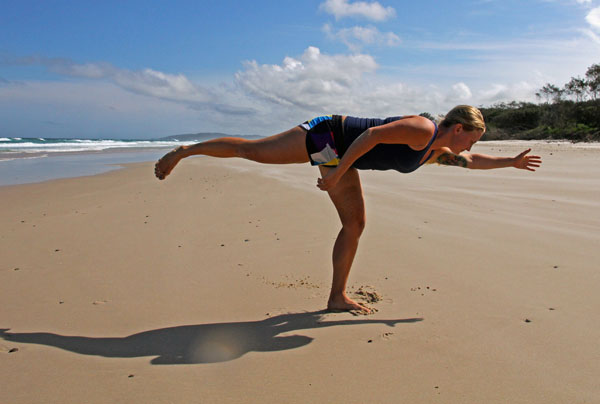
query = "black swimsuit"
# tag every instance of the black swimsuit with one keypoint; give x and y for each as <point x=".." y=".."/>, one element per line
<point x="399" y="157"/>
<point x="327" y="139"/>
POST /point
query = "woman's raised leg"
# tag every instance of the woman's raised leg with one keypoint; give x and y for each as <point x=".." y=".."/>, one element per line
<point x="284" y="148"/>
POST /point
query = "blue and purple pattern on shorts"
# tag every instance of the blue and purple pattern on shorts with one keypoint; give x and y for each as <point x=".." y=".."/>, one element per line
<point x="320" y="142"/>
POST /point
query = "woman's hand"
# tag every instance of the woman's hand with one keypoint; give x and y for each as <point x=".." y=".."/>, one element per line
<point x="525" y="162"/>
<point x="329" y="180"/>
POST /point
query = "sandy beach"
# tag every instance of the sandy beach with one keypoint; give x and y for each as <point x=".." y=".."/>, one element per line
<point x="209" y="287"/>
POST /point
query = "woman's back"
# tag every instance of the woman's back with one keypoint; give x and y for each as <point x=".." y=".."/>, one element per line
<point x="399" y="157"/>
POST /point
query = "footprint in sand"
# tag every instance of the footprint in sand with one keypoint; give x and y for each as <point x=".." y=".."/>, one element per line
<point x="386" y="336"/>
<point x="365" y="295"/>
<point x="292" y="283"/>
<point x="6" y="349"/>
<point x="423" y="290"/>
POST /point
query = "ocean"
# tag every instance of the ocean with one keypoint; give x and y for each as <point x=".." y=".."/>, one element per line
<point x="29" y="160"/>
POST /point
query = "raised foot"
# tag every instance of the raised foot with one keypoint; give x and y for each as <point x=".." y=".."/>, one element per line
<point x="344" y="303"/>
<point x="165" y="165"/>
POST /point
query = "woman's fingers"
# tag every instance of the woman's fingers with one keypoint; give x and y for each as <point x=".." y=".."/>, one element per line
<point x="528" y="162"/>
<point x="521" y="155"/>
<point x="325" y="185"/>
<point x="327" y="182"/>
<point x="532" y="161"/>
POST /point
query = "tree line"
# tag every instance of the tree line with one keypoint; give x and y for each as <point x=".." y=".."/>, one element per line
<point x="579" y="88"/>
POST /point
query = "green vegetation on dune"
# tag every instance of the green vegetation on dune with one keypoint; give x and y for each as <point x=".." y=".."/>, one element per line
<point x="564" y="119"/>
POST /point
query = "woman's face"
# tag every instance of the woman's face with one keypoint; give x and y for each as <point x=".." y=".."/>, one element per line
<point x="463" y="139"/>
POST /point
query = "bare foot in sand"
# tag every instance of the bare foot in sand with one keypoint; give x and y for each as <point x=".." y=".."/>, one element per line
<point x="344" y="303"/>
<point x="165" y="165"/>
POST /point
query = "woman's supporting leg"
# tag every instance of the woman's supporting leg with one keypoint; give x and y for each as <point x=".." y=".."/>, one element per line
<point x="285" y="148"/>
<point x="347" y="198"/>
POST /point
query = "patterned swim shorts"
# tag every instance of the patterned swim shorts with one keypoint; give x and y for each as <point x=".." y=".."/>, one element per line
<point x="321" y="140"/>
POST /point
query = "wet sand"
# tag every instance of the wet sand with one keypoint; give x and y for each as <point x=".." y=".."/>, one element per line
<point x="209" y="286"/>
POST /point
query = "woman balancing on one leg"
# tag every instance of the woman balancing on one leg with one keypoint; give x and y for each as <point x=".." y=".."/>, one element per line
<point x="342" y="145"/>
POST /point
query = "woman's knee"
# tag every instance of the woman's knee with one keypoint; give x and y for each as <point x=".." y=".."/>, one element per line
<point x="248" y="150"/>
<point x="355" y="226"/>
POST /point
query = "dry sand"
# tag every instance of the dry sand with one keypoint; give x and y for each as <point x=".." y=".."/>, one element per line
<point x="208" y="287"/>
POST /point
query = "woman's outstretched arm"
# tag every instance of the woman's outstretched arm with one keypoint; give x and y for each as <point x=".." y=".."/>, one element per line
<point x="485" y="162"/>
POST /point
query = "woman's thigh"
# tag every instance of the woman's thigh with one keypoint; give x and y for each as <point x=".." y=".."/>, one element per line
<point x="347" y="197"/>
<point x="284" y="148"/>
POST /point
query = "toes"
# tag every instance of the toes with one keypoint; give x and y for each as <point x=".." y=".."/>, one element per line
<point x="158" y="172"/>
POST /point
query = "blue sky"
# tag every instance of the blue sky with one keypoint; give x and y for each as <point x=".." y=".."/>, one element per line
<point x="133" y="69"/>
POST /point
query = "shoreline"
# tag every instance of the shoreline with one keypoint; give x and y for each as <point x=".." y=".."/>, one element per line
<point x="26" y="169"/>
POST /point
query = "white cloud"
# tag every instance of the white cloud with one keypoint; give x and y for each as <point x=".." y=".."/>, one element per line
<point x="512" y="61"/>
<point x="148" y="82"/>
<point x="592" y="35"/>
<point x="343" y="8"/>
<point x="317" y="83"/>
<point x="311" y="82"/>
<point x="460" y="92"/>
<point x="593" y="18"/>
<point x="356" y="37"/>
<point x="174" y="87"/>
<point x="170" y="86"/>
<point x="567" y="2"/>
<point x="520" y="91"/>
<point x="92" y="109"/>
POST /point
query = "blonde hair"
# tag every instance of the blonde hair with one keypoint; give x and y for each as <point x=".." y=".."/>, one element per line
<point x="469" y="117"/>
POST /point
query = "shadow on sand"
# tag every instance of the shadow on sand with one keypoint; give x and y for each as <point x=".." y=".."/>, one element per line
<point x="203" y="343"/>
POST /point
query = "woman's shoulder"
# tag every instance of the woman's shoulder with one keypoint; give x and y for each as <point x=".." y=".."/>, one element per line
<point x="436" y="153"/>
<point x="416" y="123"/>
<point x="413" y="130"/>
